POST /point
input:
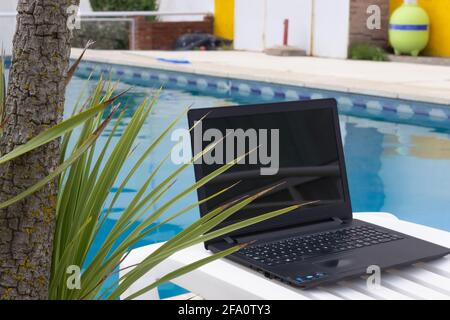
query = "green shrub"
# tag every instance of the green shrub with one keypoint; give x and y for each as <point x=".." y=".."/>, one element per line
<point x="123" y="5"/>
<point x="363" y="51"/>
<point x="108" y="35"/>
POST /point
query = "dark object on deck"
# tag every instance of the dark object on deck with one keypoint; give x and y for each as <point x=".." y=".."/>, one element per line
<point x="191" y="41"/>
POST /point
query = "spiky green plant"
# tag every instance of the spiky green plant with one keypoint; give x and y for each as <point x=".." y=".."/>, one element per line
<point x="85" y="183"/>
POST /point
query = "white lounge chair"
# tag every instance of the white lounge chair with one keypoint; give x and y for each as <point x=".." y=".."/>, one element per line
<point x="226" y="280"/>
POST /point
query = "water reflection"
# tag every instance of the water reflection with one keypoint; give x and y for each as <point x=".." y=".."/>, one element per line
<point x="363" y="165"/>
<point x="395" y="163"/>
<point x="399" y="168"/>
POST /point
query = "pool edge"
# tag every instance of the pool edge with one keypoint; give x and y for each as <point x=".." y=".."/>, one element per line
<point x="119" y="58"/>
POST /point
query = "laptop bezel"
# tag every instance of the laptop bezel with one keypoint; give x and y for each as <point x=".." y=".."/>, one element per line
<point x="341" y="211"/>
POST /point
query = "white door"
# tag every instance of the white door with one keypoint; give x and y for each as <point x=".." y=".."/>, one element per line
<point x="249" y="17"/>
<point x="259" y="24"/>
<point x="321" y="27"/>
<point x="330" y="28"/>
<point x="298" y="12"/>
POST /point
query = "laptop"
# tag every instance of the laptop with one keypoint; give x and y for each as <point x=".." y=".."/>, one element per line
<point x="298" y="156"/>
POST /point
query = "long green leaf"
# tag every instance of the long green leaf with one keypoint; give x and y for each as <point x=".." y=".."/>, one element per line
<point x="85" y="190"/>
<point x="74" y="156"/>
<point x="160" y="255"/>
<point x="74" y="67"/>
<point x="95" y="201"/>
<point x="186" y="269"/>
<point x="136" y="234"/>
<point x="172" y="217"/>
<point x="144" y="156"/>
<point x="57" y="130"/>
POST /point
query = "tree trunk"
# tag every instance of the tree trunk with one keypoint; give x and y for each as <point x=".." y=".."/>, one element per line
<point x="35" y="101"/>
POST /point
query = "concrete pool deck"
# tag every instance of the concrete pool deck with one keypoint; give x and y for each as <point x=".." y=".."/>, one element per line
<point x="427" y="83"/>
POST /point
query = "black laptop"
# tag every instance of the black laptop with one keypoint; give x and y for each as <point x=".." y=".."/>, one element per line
<point x="299" y="151"/>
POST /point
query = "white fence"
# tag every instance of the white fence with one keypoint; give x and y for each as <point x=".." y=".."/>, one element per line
<point x="7" y="25"/>
<point x="8" y="22"/>
<point x="185" y="6"/>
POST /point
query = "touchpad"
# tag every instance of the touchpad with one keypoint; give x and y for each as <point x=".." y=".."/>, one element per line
<point x="344" y="262"/>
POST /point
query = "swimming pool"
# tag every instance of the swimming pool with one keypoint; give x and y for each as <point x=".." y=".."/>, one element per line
<point x="397" y="152"/>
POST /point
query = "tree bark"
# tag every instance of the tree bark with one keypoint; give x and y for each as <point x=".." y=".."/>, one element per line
<point x="35" y="101"/>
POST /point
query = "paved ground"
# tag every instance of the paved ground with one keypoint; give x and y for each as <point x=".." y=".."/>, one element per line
<point x="438" y="61"/>
<point x="390" y="79"/>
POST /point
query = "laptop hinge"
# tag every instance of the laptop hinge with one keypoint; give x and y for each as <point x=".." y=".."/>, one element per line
<point x="281" y="232"/>
<point x="338" y="220"/>
<point x="230" y="240"/>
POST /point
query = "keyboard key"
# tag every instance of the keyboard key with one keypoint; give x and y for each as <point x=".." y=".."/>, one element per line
<point x="306" y="247"/>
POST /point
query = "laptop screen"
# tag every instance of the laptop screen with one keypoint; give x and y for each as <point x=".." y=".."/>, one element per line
<point x="295" y="151"/>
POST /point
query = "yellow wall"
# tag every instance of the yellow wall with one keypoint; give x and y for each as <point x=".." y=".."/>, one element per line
<point x="224" y="19"/>
<point x="439" y="12"/>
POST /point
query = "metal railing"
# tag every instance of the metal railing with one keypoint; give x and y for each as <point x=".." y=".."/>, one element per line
<point x="110" y="14"/>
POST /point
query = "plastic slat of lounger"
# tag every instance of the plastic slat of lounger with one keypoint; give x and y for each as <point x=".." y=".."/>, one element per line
<point x="411" y="288"/>
<point x="346" y="292"/>
<point x="425" y="278"/>
<point x="380" y="293"/>
<point x="224" y="279"/>
<point x="186" y="296"/>
<point x="441" y="266"/>
<point x="212" y="282"/>
<point x="246" y="284"/>
<point x="318" y="294"/>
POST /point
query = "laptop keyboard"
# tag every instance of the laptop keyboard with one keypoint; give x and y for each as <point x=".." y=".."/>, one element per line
<point x="305" y="247"/>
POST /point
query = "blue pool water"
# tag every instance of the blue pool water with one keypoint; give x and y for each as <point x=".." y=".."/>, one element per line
<point x="397" y="152"/>
<point x="398" y="161"/>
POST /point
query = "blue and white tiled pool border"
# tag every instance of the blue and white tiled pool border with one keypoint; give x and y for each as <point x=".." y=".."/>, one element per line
<point x="267" y="91"/>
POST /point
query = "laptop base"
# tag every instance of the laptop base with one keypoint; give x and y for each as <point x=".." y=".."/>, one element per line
<point x="336" y="266"/>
